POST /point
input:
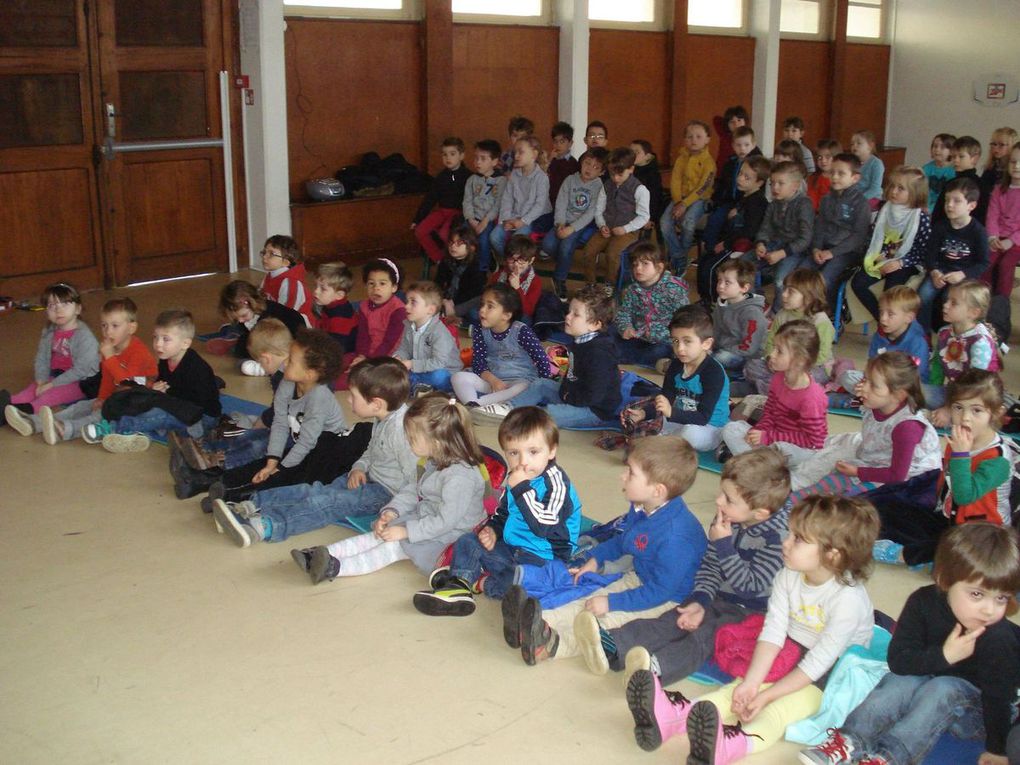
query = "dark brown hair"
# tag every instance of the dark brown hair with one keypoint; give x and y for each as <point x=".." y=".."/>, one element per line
<point x="238" y="293"/>
<point x="899" y="371"/>
<point x="323" y="354"/>
<point x="525" y="420"/>
<point x="800" y="337"/>
<point x="809" y="283"/>
<point x="981" y="552"/>
<point x="382" y="377"/>
<point x="598" y="302"/>
<point x="286" y="245"/>
<point x="124" y="305"/>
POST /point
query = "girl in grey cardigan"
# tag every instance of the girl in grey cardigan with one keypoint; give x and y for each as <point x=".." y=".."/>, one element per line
<point x="422" y="519"/>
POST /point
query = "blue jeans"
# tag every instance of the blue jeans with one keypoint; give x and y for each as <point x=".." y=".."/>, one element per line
<point x="437" y="378"/>
<point x="563" y="249"/>
<point x="780" y="270"/>
<point x="641" y="352"/>
<point x="731" y="362"/>
<point x="470" y="559"/>
<point x="831" y="272"/>
<point x="934" y="395"/>
<point x="932" y="299"/>
<point x="307" y="507"/>
<point x="158" y="422"/>
<point x="546" y="393"/>
<point x="903" y="717"/>
<point x="715" y="225"/>
<point x="240" y="450"/>
<point x="499" y="237"/>
<point x="484" y="247"/>
<point x="677" y="245"/>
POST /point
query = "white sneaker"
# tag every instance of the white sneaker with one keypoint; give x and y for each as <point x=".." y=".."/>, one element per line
<point x="49" y="426"/>
<point x="119" y="443"/>
<point x="491" y="412"/>
<point x="252" y="368"/>
<point x="18" y="420"/>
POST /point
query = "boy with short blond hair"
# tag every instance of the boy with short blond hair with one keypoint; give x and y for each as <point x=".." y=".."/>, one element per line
<point x="738" y="317"/>
<point x="335" y="314"/>
<point x="427" y="348"/>
<point x="785" y="234"/>
<point x="666" y="543"/>
<point x="734" y="580"/>
<point x="690" y="188"/>
<point x="538" y="520"/>
<point x="621" y="211"/>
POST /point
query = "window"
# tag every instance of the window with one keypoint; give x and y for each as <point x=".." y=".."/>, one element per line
<point x="800" y="17"/>
<point x="378" y="5"/>
<point x="639" y="11"/>
<point x="499" y="7"/>
<point x="864" y="19"/>
<point x="728" y="14"/>
<point x="353" y="9"/>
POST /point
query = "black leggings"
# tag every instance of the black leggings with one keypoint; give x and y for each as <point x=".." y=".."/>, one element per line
<point x="861" y="285"/>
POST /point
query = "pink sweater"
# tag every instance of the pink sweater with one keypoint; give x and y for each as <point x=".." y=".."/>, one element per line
<point x="795" y="417"/>
<point x="1003" y="218"/>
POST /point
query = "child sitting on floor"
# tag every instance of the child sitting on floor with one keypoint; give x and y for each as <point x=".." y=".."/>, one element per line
<point x="378" y="390"/>
<point x="803" y="298"/>
<point x="659" y="531"/>
<point x="67" y="355"/>
<point x="381" y="315"/>
<point x="647" y="306"/>
<point x="738" y="318"/>
<point x="244" y="305"/>
<point x="428" y="348"/>
<point x="191" y="400"/>
<point x="952" y="660"/>
<point x="795" y="416"/>
<point x="896" y="441"/>
<point x="423" y="517"/>
<point x="336" y="314"/>
<point x="507" y="356"/>
<point x="734" y="580"/>
<point x="285" y="281"/>
<point x="589" y="395"/>
<point x="538" y="520"/>
<point x="694" y="402"/>
<point x="973" y="485"/>
<point x="124" y="357"/>
<point x="964" y="343"/>
<point x="819" y="602"/>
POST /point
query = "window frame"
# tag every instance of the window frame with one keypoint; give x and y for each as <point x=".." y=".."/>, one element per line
<point x="662" y="16"/>
<point x="410" y="10"/>
<point x="742" y="31"/>
<point x="825" y="22"/>
<point x="544" y="19"/>
<point x="883" y="24"/>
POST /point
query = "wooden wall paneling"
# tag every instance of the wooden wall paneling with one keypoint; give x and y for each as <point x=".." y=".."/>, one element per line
<point x="804" y="83"/>
<point x="352" y="87"/>
<point x="437" y="79"/>
<point x="867" y="87"/>
<point x="721" y="70"/>
<point x="501" y="71"/>
<point x="627" y="86"/>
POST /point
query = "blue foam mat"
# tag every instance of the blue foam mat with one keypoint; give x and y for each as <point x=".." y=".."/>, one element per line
<point x="363" y="523"/>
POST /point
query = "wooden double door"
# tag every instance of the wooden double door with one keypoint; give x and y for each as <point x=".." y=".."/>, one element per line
<point x="83" y="85"/>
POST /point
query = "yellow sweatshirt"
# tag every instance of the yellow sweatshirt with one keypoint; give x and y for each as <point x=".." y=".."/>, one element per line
<point x="693" y="176"/>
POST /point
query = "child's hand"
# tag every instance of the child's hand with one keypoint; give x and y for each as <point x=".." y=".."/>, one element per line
<point x="961" y="439"/>
<point x="618" y="231"/>
<point x="629" y="334"/>
<point x="272" y="466"/>
<point x="760" y="250"/>
<point x="987" y="758"/>
<point x="955" y="277"/>
<point x="1005" y="244"/>
<point x="407" y="363"/>
<point x="380" y="523"/>
<point x="590" y="566"/>
<point x="97" y="405"/>
<point x="497" y="384"/>
<point x="598" y="605"/>
<point x="679" y="209"/>
<point x="564" y="231"/>
<point x="161" y="385"/>
<point x="742" y="696"/>
<point x="106" y="347"/>
<point x="718" y="249"/>
<point x="690" y="617"/>
<point x="605" y="231"/>
<point x="487" y="538"/>
<point x="753" y="707"/>
<point x="514" y="280"/>
<point x="753" y="437"/>
<point x="821" y="256"/>
<point x="960" y="645"/>
<point x="41" y="388"/>
<point x="936" y="278"/>
<point x="940" y="417"/>
<point x="775" y="256"/>
<point x="720" y="527"/>
<point x="393" y="533"/>
<point x="732" y="213"/>
<point x="846" y="468"/>
<point x="356" y="360"/>
<point x="517" y="475"/>
<point x="413" y="225"/>
<point x="356" y="478"/>
<point x="662" y="406"/>
<point x="890" y="267"/>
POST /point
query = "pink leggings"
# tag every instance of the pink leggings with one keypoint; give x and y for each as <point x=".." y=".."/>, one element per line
<point x="58" y="395"/>
<point x="1001" y="267"/>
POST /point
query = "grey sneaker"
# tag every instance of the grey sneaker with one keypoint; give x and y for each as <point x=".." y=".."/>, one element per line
<point x="303" y="557"/>
<point x="244" y="531"/>
<point x="838" y="749"/>
<point x="118" y="443"/>
<point x="323" y="566"/>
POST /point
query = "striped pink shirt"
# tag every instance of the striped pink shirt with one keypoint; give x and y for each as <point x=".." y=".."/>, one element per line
<point x="795" y="417"/>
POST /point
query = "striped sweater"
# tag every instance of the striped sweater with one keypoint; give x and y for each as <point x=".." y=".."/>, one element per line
<point x="794" y="416"/>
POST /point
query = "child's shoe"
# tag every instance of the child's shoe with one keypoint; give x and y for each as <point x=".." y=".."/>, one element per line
<point x="252" y="368"/>
<point x="887" y="551"/>
<point x="323" y="566"/>
<point x="662" y="365"/>
<point x="5" y="401"/>
<point x="511" y="607"/>
<point x="452" y="598"/>
<point x="589" y="637"/>
<point x="94" y="432"/>
<point x="637" y="658"/>
<point x="658" y="714"/>
<point x="48" y="425"/>
<point x="18" y="420"/>
<point x="245" y="531"/>
<point x="561" y="290"/>
<point x="216" y="491"/>
<point x="713" y="743"/>
<point x="439" y="577"/>
<point x="838" y="749"/>
<point x="610" y="441"/>
<point x="118" y="443"/>
<point x="539" y="641"/>
<point x="491" y="413"/>
<point x="303" y="557"/>
<point x="420" y="389"/>
<point x="187" y="482"/>
<point x="197" y="457"/>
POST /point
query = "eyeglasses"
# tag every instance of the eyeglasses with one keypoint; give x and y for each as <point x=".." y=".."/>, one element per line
<point x="596" y="135"/>
<point x="270" y="254"/>
<point x="55" y="304"/>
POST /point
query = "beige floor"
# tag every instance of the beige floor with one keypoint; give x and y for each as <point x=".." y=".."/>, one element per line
<point x="133" y="633"/>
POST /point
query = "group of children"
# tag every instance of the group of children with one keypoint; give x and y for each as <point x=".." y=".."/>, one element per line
<point x="800" y="514"/>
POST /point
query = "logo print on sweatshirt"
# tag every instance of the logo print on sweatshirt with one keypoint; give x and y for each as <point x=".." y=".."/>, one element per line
<point x="641" y="542"/>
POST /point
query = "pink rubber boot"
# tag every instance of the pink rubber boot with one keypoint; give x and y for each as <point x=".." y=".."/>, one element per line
<point x="658" y="715"/>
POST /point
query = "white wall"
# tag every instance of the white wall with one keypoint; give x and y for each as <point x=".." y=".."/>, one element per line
<point x="940" y="47"/>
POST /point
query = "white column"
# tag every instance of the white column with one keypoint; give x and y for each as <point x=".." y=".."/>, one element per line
<point x="765" y="30"/>
<point x="572" y="18"/>
<point x="264" y="122"/>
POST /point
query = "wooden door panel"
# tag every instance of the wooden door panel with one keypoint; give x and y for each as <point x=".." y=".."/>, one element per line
<point x="49" y="219"/>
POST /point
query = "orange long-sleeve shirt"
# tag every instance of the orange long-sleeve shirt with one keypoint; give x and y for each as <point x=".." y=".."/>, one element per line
<point x="134" y="361"/>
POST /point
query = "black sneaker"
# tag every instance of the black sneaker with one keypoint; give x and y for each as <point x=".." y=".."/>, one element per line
<point x="454" y="598"/>
<point x="539" y="641"/>
<point x="723" y="454"/>
<point x="421" y="389"/>
<point x="5" y="400"/>
<point x="561" y="290"/>
<point x="439" y="578"/>
<point x="216" y="491"/>
<point x="513" y="603"/>
<point x="323" y="566"/>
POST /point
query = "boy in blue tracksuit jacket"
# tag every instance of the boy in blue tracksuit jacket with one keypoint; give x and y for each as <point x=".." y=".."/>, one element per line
<point x="538" y="520"/>
<point x="663" y="538"/>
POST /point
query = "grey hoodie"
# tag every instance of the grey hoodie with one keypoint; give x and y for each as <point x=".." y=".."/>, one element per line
<point x="741" y="327"/>
<point x="388" y="460"/>
<point x="430" y="349"/>
<point x="844" y="222"/>
<point x="526" y="196"/>
<point x="575" y="204"/>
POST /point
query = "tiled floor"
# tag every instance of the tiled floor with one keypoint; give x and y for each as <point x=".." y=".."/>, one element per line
<point x="133" y="633"/>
